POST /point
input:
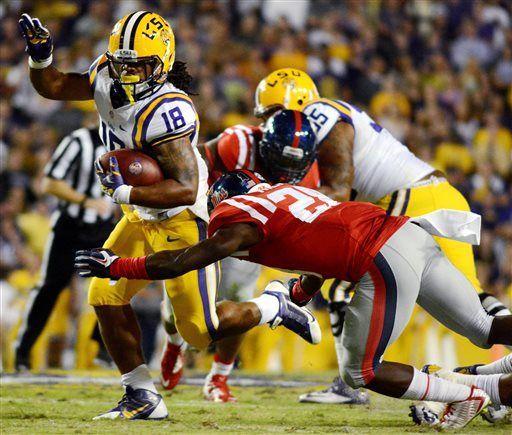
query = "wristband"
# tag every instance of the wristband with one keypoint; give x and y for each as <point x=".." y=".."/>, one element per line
<point x="122" y="194"/>
<point x="34" y="64"/>
<point x="130" y="268"/>
<point x="298" y="295"/>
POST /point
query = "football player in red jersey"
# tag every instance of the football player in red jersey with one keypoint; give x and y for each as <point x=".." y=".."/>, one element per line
<point x="395" y="262"/>
<point x="277" y="150"/>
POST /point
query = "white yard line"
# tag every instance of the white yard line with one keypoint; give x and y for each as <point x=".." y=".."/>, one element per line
<point x="198" y="381"/>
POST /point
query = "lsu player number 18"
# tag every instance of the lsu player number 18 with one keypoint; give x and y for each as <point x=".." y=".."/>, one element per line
<point x="359" y="156"/>
<point x="142" y="102"/>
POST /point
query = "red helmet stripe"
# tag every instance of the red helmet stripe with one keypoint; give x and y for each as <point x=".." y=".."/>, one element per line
<point x="298" y="127"/>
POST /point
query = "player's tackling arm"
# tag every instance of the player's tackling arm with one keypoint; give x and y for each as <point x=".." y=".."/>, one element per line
<point x="169" y="264"/>
<point x="225" y="241"/>
<point x="336" y="162"/>
<point x="47" y="80"/>
<point x="179" y="165"/>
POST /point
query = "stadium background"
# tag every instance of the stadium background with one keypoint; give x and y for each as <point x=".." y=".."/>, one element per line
<point x="437" y="74"/>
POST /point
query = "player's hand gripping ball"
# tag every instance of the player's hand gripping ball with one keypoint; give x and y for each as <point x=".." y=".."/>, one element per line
<point x="112" y="182"/>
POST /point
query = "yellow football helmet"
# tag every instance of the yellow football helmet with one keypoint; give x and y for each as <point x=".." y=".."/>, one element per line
<point x="141" y="51"/>
<point x="288" y="87"/>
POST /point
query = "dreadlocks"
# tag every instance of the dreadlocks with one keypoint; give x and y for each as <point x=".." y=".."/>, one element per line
<point x="180" y="77"/>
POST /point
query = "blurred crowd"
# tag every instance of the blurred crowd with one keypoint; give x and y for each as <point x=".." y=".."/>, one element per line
<point x="437" y="74"/>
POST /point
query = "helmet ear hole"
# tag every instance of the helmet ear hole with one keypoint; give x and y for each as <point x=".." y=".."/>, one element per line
<point x="299" y="102"/>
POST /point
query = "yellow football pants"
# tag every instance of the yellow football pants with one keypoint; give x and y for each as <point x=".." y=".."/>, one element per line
<point x="192" y="295"/>
<point x="425" y="199"/>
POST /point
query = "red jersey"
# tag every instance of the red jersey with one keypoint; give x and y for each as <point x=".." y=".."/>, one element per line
<point x="237" y="148"/>
<point x="305" y="231"/>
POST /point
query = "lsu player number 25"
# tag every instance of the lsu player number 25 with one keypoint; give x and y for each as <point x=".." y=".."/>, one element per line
<point x="140" y="94"/>
<point x="359" y="156"/>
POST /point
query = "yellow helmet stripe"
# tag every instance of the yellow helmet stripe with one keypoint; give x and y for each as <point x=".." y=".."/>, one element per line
<point x="128" y="28"/>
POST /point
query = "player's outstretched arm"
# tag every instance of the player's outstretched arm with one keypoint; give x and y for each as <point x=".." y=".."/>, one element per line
<point x="336" y="163"/>
<point x="104" y="263"/>
<point x="47" y="80"/>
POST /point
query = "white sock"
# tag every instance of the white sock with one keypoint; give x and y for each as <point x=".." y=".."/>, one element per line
<point x="488" y="383"/>
<point x="430" y="387"/>
<point x="220" y="368"/>
<point x="139" y="377"/>
<point x="502" y="366"/>
<point x="268" y="306"/>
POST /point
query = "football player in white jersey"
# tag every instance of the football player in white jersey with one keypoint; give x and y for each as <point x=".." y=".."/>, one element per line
<point x="140" y="95"/>
<point x="360" y="160"/>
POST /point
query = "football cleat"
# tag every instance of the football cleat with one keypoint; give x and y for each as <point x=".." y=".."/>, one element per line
<point x="459" y="414"/>
<point x="171" y="365"/>
<point x="137" y="404"/>
<point x="495" y="413"/>
<point x="426" y="413"/>
<point x="216" y="389"/>
<point x="297" y="319"/>
<point x="337" y="393"/>
<point x="467" y="370"/>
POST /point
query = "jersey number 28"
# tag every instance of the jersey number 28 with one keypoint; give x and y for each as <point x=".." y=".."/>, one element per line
<point x="304" y="204"/>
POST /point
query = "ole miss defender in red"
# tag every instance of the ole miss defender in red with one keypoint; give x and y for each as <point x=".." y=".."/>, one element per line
<point x="395" y="262"/>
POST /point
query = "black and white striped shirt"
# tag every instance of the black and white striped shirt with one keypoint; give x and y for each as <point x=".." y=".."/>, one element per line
<point x="73" y="162"/>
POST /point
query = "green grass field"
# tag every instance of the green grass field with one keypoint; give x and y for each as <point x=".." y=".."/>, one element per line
<point x="68" y="409"/>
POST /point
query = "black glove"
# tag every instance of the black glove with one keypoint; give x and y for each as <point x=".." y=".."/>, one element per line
<point x="38" y="39"/>
<point x="95" y="262"/>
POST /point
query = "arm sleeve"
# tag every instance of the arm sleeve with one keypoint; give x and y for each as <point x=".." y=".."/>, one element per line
<point x="63" y="159"/>
<point x="226" y="214"/>
<point x="325" y="114"/>
<point x="168" y="117"/>
<point x="236" y="147"/>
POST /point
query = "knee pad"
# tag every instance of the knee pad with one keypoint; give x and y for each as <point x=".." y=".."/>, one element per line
<point x="195" y="334"/>
<point x="478" y="331"/>
<point x="353" y="377"/>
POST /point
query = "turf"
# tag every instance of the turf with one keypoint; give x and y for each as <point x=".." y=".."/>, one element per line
<point x="67" y="409"/>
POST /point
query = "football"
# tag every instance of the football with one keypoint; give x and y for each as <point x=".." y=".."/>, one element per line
<point x="137" y="168"/>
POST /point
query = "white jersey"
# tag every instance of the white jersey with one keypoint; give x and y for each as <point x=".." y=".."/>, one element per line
<point x="166" y="114"/>
<point x="382" y="164"/>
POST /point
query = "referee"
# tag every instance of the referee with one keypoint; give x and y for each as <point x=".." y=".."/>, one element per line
<point x="83" y="220"/>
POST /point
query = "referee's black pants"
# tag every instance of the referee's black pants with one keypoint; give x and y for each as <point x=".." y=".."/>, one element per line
<point x="68" y="236"/>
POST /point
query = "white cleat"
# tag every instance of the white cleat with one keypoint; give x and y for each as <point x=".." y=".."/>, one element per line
<point x="459" y="414"/>
<point x="427" y="413"/>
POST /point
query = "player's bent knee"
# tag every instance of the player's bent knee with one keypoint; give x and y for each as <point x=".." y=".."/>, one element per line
<point x="352" y="376"/>
<point x="478" y="332"/>
<point x="194" y="333"/>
